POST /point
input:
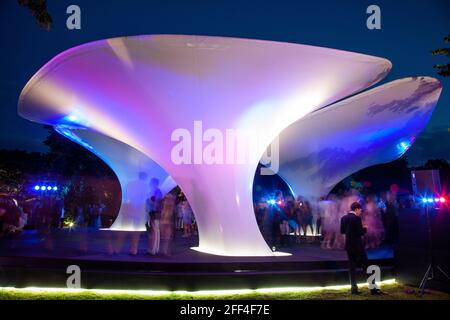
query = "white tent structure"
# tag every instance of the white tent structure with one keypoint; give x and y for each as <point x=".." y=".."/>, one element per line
<point x="155" y="93"/>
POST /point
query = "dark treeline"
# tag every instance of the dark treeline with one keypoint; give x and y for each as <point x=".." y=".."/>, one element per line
<point x="395" y="173"/>
<point x="80" y="175"/>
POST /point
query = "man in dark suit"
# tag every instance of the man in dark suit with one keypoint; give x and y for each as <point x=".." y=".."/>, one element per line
<point x="351" y="226"/>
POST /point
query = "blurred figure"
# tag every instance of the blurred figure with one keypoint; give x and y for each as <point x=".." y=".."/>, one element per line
<point x="316" y="217"/>
<point x="10" y="217"/>
<point x="100" y="212"/>
<point x="298" y="212"/>
<point x="179" y="217"/>
<point x="59" y="212"/>
<point x="306" y="217"/>
<point x="372" y="219"/>
<point x="277" y="216"/>
<point x="267" y="223"/>
<point x="134" y="212"/>
<point x="390" y="219"/>
<point x="329" y="209"/>
<point x="260" y="213"/>
<point x="154" y="216"/>
<point x="291" y="219"/>
<point x="188" y="217"/>
<point x="45" y="223"/>
<point x="23" y="220"/>
<point x="79" y="216"/>
<point x="167" y="223"/>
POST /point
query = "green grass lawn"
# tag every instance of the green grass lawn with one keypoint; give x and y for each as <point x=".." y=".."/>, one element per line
<point x="393" y="291"/>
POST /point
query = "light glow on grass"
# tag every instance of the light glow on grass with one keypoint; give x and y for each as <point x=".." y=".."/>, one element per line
<point x="191" y="293"/>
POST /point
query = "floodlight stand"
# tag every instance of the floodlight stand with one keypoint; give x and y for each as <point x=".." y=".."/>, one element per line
<point x="432" y="269"/>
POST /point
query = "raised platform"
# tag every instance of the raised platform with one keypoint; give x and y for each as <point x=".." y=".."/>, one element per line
<point x="33" y="260"/>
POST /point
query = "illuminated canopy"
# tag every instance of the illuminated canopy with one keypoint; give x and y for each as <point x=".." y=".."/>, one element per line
<point x="373" y="127"/>
<point x="140" y="90"/>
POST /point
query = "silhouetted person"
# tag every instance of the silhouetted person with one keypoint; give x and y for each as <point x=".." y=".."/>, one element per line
<point x="352" y="228"/>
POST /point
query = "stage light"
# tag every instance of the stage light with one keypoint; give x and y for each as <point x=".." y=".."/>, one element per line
<point x="424" y="200"/>
<point x="75" y="118"/>
<point x="436" y="199"/>
<point x="442" y="199"/>
<point x="271" y="201"/>
<point x="43" y="188"/>
<point x="430" y="200"/>
<point x="279" y="202"/>
<point x="49" y="188"/>
<point x="36" y="188"/>
<point x="55" y="188"/>
<point x="403" y="146"/>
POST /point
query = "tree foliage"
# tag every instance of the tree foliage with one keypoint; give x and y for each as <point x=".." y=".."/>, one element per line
<point x="38" y="10"/>
<point x="82" y="177"/>
<point x="443" y="69"/>
<point x="69" y="159"/>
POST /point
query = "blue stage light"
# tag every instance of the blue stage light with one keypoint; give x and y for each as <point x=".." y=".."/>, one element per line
<point x="49" y="188"/>
<point x="43" y="188"/>
<point x="430" y="200"/>
<point x="271" y="201"/>
<point x="36" y="188"/>
<point x="403" y="146"/>
<point x="424" y="200"/>
<point x="55" y="188"/>
<point x="75" y="118"/>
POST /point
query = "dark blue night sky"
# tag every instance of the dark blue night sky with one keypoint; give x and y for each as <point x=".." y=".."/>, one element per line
<point x="410" y="29"/>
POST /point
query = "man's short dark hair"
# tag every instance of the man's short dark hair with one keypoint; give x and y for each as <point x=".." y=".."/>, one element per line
<point x="355" y="205"/>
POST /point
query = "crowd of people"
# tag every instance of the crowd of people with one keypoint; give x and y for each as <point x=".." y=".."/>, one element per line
<point x="284" y="221"/>
<point x="89" y="216"/>
<point x="166" y="214"/>
<point x="46" y="212"/>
